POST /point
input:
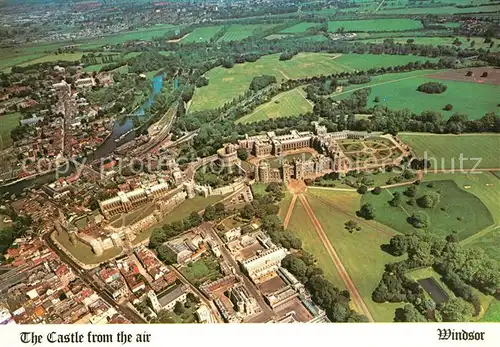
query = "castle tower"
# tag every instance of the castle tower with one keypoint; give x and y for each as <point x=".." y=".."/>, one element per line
<point x="154" y="301"/>
<point x="264" y="172"/>
<point x="189" y="188"/>
<point x="96" y="247"/>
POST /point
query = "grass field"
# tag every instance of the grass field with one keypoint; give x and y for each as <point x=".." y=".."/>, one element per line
<point x="493" y="313"/>
<point x="8" y="122"/>
<point x="472" y="99"/>
<point x="448" y="10"/>
<point x="54" y="57"/>
<point x="457" y="212"/>
<point x="238" y="32"/>
<point x="375" y="25"/>
<point x="195" y="204"/>
<point x="226" y="84"/>
<point x="301" y="225"/>
<point x="360" y="251"/>
<point x="206" y="269"/>
<point x="441" y="41"/>
<point x="202" y="34"/>
<point x="446" y="148"/>
<point x="291" y="103"/>
<point x="299" y="28"/>
<point x="84" y="253"/>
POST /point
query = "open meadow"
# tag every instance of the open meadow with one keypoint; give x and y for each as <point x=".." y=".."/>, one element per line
<point x="291" y="103"/>
<point x="237" y="32"/>
<point x="301" y="225"/>
<point x="299" y="28"/>
<point x="375" y="25"/>
<point x="447" y="149"/>
<point x="456" y="211"/>
<point x="8" y="122"/>
<point x="359" y="251"/>
<point x="226" y="84"/>
<point x="474" y="99"/>
<point x="201" y="34"/>
<point x="446" y="10"/>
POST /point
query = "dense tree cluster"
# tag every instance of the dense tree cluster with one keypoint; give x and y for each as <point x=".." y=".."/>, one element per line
<point x="167" y="231"/>
<point x="432" y="88"/>
<point x="261" y="82"/>
<point x="333" y="300"/>
<point x="460" y="268"/>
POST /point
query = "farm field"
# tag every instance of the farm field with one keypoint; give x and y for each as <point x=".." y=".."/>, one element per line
<point x="291" y="103"/>
<point x="237" y="32"/>
<point x="446" y="148"/>
<point x="8" y="122"/>
<point x="299" y="28"/>
<point x="441" y="41"/>
<point x="301" y="225"/>
<point x="439" y="10"/>
<point x="472" y="99"/>
<point x="457" y="211"/>
<point x="202" y="34"/>
<point x="226" y="84"/>
<point x="195" y="204"/>
<point x="54" y="57"/>
<point x="360" y="251"/>
<point x="375" y="25"/>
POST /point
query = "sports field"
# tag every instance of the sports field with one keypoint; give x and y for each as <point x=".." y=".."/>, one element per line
<point x="375" y="25"/>
<point x="299" y="28"/>
<point x="457" y="211"/>
<point x="470" y="98"/>
<point x="446" y="149"/>
<point x="8" y="122"/>
<point x="202" y="34"/>
<point x="237" y="32"/>
<point x="291" y="103"/>
<point x="360" y="251"/>
<point x="226" y="84"/>
<point x="441" y="41"/>
<point x="301" y="225"/>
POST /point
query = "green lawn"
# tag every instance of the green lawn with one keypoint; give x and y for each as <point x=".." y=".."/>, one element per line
<point x="446" y="149"/>
<point x="472" y="99"/>
<point x="360" y="251"/>
<point x="299" y="28"/>
<point x="54" y="57"/>
<point x="8" y="122"/>
<point x="259" y="188"/>
<point x="202" y="34"/>
<point x="464" y="214"/>
<point x="493" y="313"/>
<point x="238" y="32"/>
<point x="291" y="103"/>
<point x="92" y="68"/>
<point x="375" y="25"/>
<point x="206" y="269"/>
<point x="301" y="225"/>
<point x="84" y="253"/>
<point x="446" y="10"/>
<point x="226" y="84"/>
<point x="195" y="204"/>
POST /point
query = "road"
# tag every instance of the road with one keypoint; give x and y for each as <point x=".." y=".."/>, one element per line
<point x="122" y="309"/>
<point x="356" y="296"/>
<point x="203" y="298"/>
<point x="248" y="284"/>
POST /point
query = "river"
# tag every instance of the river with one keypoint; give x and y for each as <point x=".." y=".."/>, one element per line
<point x="104" y="150"/>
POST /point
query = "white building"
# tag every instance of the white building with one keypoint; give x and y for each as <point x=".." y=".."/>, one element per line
<point x="264" y="262"/>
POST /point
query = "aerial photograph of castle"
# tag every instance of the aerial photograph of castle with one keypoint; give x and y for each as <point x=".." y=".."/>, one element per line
<point x="242" y="161"/>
